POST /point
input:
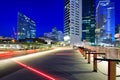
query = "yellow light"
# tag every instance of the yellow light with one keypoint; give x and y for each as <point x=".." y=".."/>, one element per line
<point x="13" y="41"/>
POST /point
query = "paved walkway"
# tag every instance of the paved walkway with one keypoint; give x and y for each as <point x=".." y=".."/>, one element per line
<point x="71" y="65"/>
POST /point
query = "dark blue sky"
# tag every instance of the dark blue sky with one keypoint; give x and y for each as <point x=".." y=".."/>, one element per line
<point x="46" y="14"/>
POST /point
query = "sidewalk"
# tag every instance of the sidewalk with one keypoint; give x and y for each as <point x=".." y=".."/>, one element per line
<point x="76" y="68"/>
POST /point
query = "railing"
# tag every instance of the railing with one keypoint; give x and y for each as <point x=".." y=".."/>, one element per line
<point x="112" y="56"/>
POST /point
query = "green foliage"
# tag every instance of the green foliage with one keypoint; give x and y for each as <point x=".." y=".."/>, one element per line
<point x="118" y="45"/>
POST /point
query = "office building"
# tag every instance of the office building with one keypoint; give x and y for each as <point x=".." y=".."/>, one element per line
<point x="26" y="27"/>
<point x="88" y="20"/>
<point x="105" y="22"/>
<point x="60" y="36"/>
<point x="73" y="21"/>
<point x="54" y="35"/>
<point x="117" y="29"/>
<point x="48" y="35"/>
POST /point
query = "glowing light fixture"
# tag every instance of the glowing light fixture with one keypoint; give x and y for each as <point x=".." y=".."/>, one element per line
<point x="66" y="38"/>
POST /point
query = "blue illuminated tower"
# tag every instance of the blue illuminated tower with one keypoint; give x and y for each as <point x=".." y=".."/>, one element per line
<point x="105" y="22"/>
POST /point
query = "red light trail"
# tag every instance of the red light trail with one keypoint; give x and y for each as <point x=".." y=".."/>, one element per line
<point x="34" y="70"/>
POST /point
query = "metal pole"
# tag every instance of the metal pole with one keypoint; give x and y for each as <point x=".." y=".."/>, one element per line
<point x="88" y="58"/>
<point x="111" y="70"/>
<point x="95" y="63"/>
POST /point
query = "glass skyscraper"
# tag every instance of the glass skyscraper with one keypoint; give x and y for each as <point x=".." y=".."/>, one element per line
<point x="88" y="20"/>
<point x="73" y="21"/>
<point x="105" y="22"/>
<point x="26" y="27"/>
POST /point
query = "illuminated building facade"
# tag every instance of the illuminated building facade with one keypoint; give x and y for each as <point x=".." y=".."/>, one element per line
<point x="73" y="21"/>
<point x="54" y="35"/>
<point x="117" y="29"/>
<point x="26" y="27"/>
<point x="88" y="20"/>
<point x="105" y="22"/>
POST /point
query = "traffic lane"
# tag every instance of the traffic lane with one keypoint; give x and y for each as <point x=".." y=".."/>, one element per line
<point x="52" y="64"/>
<point x="34" y="70"/>
<point x="17" y="71"/>
<point x="8" y="67"/>
<point x="41" y="63"/>
<point x="49" y="59"/>
<point x="28" y="73"/>
<point x="23" y="74"/>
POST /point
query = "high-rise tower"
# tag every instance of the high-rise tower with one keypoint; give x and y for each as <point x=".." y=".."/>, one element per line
<point x="73" y="21"/>
<point x="105" y="22"/>
<point x="26" y="27"/>
<point x="88" y="20"/>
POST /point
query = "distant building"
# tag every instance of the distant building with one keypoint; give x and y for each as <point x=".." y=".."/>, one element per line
<point x="73" y="21"/>
<point x="1" y="37"/>
<point x="26" y="27"/>
<point x="60" y="36"/>
<point x="117" y="35"/>
<point x="54" y="35"/>
<point x="105" y="22"/>
<point x="88" y="20"/>
<point x="117" y="29"/>
<point x="49" y="35"/>
<point x="5" y="39"/>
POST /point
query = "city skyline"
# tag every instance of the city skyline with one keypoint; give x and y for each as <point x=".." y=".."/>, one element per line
<point x="46" y="14"/>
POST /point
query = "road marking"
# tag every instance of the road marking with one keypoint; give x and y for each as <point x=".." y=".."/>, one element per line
<point x="34" y="70"/>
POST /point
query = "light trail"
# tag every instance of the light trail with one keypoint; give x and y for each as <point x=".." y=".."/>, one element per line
<point x="34" y="70"/>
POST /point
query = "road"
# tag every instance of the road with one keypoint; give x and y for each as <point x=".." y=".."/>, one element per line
<point x="57" y="64"/>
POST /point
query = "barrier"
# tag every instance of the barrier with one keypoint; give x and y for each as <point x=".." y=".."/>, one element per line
<point x="112" y="55"/>
<point x="111" y="52"/>
<point x="81" y="50"/>
<point x="95" y="54"/>
<point x="111" y="67"/>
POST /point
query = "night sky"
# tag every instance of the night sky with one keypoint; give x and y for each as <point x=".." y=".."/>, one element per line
<point x="46" y="14"/>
